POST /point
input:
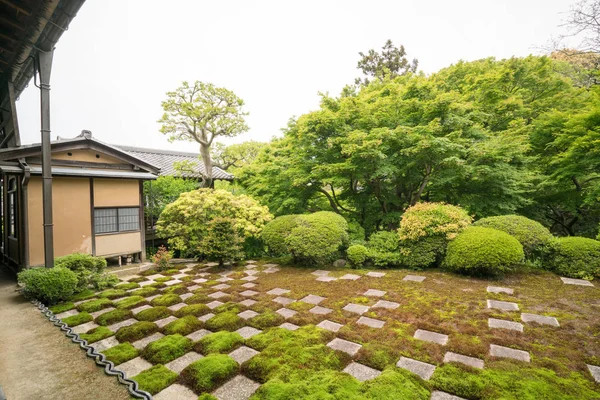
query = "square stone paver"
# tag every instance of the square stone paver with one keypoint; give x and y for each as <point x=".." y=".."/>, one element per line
<point x="420" y="368"/>
<point x="502" y="305"/>
<point x="243" y="354"/>
<point x="429" y="336"/>
<point x="356" y="308"/>
<point x="96" y="314"/>
<point x="361" y="372"/>
<point x="218" y="295"/>
<point x="221" y="286"/>
<point x="414" y="278"/>
<point x="211" y="264"/>
<point x="374" y="274"/>
<point x="595" y="371"/>
<point x="186" y="295"/>
<point x="155" y="276"/>
<point x="249" y="278"/>
<point x="374" y="293"/>
<point x="270" y="265"/>
<point x="163" y="322"/>
<point x="251" y="272"/>
<point x="507" y="352"/>
<point x="214" y="304"/>
<point x="470" y="361"/>
<point x="437" y="395"/>
<point x="248" y="302"/>
<point x="177" y="306"/>
<point x="153" y="297"/>
<point x="239" y="388"/>
<point x="248" y="293"/>
<point x="118" y="325"/>
<point x="320" y="272"/>
<point x="248" y="331"/>
<point x="498" y="289"/>
<point x="371" y="322"/>
<point x="179" y="276"/>
<point x="326" y="279"/>
<point x="345" y="346"/>
<point x="247" y="314"/>
<point x="199" y="280"/>
<point x="289" y="326"/>
<point x="66" y="314"/>
<point x="312" y="299"/>
<point x="180" y="363"/>
<point x="249" y="285"/>
<point x="193" y="287"/>
<point x="278" y="291"/>
<point x="580" y="282"/>
<point x="350" y="277"/>
<point x="540" y="319"/>
<point x="199" y="334"/>
<point x="142" y="343"/>
<point x="141" y="308"/>
<point x="224" y="279"/>
<point x="330" y="325"/>
<point x="105" y="344"/>
<point x="173" y="282"/>
<point x="145" y="283"/>
<point x="502" y="324"/>
<point x="271" y="270"/>
<point x="134" y="367"/>
<point x="390" y="305"/>
<point x="176" y="391"/>
<point x="206" y="317"/>
<point x="286" y="312"/>
<point x="320" y="310"/>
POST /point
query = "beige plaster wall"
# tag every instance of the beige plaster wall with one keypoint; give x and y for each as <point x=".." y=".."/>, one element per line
<point x="116" y="192"/>
<point x="119" y="243"/>
<point x="85" y="155"/>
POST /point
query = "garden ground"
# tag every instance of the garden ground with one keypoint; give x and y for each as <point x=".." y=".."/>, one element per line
<point x="289" y="333"/>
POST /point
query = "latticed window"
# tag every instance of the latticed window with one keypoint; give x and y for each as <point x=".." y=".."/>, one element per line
<point x="111" y="220"/>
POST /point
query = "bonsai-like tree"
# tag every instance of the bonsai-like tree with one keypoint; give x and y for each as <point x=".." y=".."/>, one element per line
<point x="200" y="113"/>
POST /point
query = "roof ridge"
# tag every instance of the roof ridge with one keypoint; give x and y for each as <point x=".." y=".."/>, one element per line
<point x="155" y="151"/>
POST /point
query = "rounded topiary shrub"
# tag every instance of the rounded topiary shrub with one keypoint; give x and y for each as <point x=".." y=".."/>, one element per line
<point x="48" y="285"/>
<point x="383" y="248"/>
<point x="575" y="257"/>
<point x="483" y="251"/>
<point x="534" y="237"/>
<point x="275" y="232"/>
<point x="357" y="255"/>
<point x="87" y="268"/>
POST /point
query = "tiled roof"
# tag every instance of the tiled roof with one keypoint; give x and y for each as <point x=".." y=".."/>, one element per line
<point x="165" y="160"/>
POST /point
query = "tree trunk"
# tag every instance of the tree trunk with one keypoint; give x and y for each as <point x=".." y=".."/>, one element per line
<point x="205" y="153"/>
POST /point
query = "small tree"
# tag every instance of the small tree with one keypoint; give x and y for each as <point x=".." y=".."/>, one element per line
<point x="200" y="113"/>
<point x="222" y="242"/>
<point x="391" y="62"/>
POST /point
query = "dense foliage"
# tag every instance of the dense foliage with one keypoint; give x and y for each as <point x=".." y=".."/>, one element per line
<point x="483" y="251"/>
<point x="575" y="257"/>
<point x="222" y="241"/>
<point x="357" y="255"/>
<point x="88" y="269"/>
<point x="162" y="191"/>
<point x="275" y="233"/>
<point x="48" y="285"/>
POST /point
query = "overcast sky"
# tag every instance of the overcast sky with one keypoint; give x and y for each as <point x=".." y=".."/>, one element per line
<point x="114" y="65"/>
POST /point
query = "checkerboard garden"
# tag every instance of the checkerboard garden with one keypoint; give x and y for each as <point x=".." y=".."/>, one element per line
<point x="264" y="331"/>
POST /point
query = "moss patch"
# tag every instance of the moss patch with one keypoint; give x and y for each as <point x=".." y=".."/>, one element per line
<point x="192" y="309"/>
<point x="137" y="279"/>
<point x="177" y="289"/>
<point x="230" y="307"/>
<point x="121" y="353"/>
<point x="219" y="342"/>
<point x="127" y="286"/>
<point x="166" y="300"/>
<point x="226" y="321"/>
<point x="137" y="331"/>
<point x="78" y="319"/>
<point x="155" y="379"/>
<point x="266" y="320"/>
<point x="153" y="314"/>
<point x="162" y="280"/>
<point x="84" y="295"/>
<point x="197" y="298"/>
<point x="60" y="308"/>
<point x="167" y="349"/>
<point x="209" y="372"/>
<point x="97" y="334"/>
<point x="94" y="305"/>
<point x="113" y="316"/>
<point x="113" y="293"/>
<point x="145" y="291"/>
<point x="183" y="326"/>
<point x="131" y="302"/>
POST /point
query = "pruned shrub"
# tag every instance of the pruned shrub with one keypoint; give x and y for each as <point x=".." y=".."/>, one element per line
<point x="275" y="233"/>
<point x="383" y="248"/>
<point x="88" y="269"/>
<point x="483" y="251"/>
<point x="48" y="285"/>
<point x="357" y="255"/>
<point x="423" y="253"/>
<point x="533" y="236"/>
<point x="222" y="241"/>
<point x="575" y="257"/>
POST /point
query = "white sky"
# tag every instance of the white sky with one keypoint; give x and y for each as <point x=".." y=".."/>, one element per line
<point x="114" y="65"/>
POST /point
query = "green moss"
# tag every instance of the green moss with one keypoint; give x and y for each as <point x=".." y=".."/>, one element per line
<point x="209" y="372"/>
<point x="113" y="293"/>
<point x="183" y="326"/>
<point x="78" y="319"/>
<point x="167" y="349"/>
<point x="131" y="302"/>
<point x="153" y="314"/>
<point x="230" y="307"/>
<point x="137" y="279"/>
<point x="97" y="334"/>
<point x="113" y="316"/>
<point x="226" y="321"/>
<point x="395" y="384"/>
<point x="62" y="307"/>
<point x="219" y="342"/>
<point x="94" y="305"/>
<point x="180" y="288"/>
<point x="171" y="271"/>
<point x="145" y="291"/>
<point x="197" y="299"/>
<point x="192" y="309"/>
<point x="121" y="353"/>
<point x="136" y="331"/>
<point x="164" y="279"/>
<point x="326" y="385"/>
<point x="155" y="379"/>
<point x="299" y="306"/>
<point x="306" y="336"/>
<point x="166" y="300"/>
<point x="127" y="286"/>
<point x="266" y="320"/>
<point x="377" y="356"/>
<point x="207" y="396"/>
<point x="84" y="295"/>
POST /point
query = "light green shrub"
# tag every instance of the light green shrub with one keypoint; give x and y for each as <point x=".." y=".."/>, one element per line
<point x="48" y="285"/>
<point x="89" y="270"/>
<point x="357" y="255"/>
<point x="275" y="233"/>
<point x="222" y="242"/>
<point x="575" y="257"/>
<point x="383" y="249"/>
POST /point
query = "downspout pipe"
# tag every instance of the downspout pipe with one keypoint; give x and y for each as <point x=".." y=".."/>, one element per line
<point x="25" y="211"/>
<point x="45" y="68"/>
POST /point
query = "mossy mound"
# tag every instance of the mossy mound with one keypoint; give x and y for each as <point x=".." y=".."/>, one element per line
<point x="84" y="295"/>
<point x="137" y="279"/>
<point x="166" y="300"/>
<point x="113" y="293"/>
<point x="219" y="342"/>
<point x="62" y="307"/>
<point x="131" y="302"/>
<point x="377" y="356"/>
<point x="163" y="280"/>
<point x="266" y="320"/>
<point x="197" y="299"/>
<point x="167" y="349"/>
<point x="127" y="286"/>
<point x="78" y="319"/>
<point x="137" y="331"/>
<point x="113" y="316"/>
<point x="153" y="314"/>
<point x="121" y="353"/>
<point x="94" y="305"/>
<point x="193" y="309"/>
<point x="230" y="307"/>
<point x="226" y="321"/>
<point x="172" y="271"/>
<point x="97" y="334"/>
<point x="183" y="326"/>
<point x="176" y="289"/>
<point x="155" y="379"/>
<point x="209" y="372"/>
<point x="146" y="291"/>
